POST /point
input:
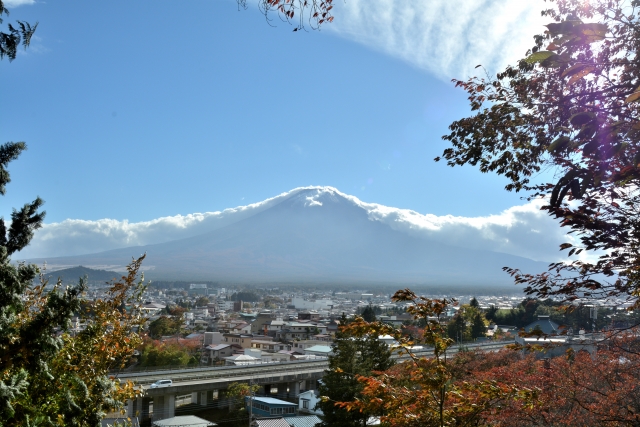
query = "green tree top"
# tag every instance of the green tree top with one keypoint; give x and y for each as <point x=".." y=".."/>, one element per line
<point x="14" y="37"/>
<point x="570" y="107"/>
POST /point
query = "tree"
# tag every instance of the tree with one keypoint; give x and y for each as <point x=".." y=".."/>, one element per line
<point x="368" y="314"/>
<point x="478" y="326"/>
<point x="84" y="371"/>
<point x="50" y="375"/>
<point x="570" y="107"/>
<point x="491" y="313"/>
<point x="315" y="12"/>
<point x="474" y="303"/>
<point x="427" y="391"/>
<point x="11" y="40"/>
<point x="598" y="389"/>
<point x="202" y="302"/>
<point x="352" y="357"/>
<point x="156" y="353"/>
<point x="164" y="325"/>
<point x="457" y="328"/>
<point x="236" y="393"/>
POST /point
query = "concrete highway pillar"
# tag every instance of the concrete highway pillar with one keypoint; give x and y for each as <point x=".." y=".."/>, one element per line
<point x="170" y="406"/>
<point x="158" y="408"/>
<point x="294" y="389"/>
<point x="203" y="398"/>
<point x="164" y="407"/>
<point x="282" y="391"/>
<point x="194" y="397"/>
<point x="143" y="407"/>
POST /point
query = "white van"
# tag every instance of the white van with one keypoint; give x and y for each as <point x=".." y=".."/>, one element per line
<point x="161" y="383"/>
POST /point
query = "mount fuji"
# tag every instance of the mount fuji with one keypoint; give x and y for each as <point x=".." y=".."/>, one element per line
<point x="312" y="235"/>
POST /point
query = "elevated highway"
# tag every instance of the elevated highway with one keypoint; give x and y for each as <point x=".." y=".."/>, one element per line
<point x="285" y="379"/>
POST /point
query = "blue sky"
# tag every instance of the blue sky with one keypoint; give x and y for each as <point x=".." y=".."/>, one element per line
<point x="141" y="110"/>
<point x="138" y="109"/>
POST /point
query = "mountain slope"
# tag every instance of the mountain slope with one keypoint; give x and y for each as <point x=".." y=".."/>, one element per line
<point x="316" y="235"/>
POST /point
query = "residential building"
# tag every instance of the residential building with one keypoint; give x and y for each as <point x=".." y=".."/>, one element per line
<point x="304" y="344"/>
<point x="268" y="406"/>
<point x="313" y="316"/>
<point x="269" y="345"/>
<point x="243" y="340"/>
<point x="211" y="354"/>
<point x="318" y="351"/>
<point x="307" y="401"/>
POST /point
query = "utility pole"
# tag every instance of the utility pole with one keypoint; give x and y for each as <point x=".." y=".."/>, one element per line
<point x="250" y="401"/>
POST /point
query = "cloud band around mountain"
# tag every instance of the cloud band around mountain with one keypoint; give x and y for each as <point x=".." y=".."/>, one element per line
<point x="520" y="230"/>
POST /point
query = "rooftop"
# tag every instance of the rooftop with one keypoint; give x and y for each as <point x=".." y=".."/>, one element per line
<point x="273" y="401"/>
<point x="183" y="421"/>
<point x="303" y="421"/>
<point x="320" y="348"/>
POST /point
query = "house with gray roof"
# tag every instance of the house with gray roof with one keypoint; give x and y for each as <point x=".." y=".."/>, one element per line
<point x="545" y="325"/>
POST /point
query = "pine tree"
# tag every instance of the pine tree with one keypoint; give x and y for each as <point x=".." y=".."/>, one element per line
<point x="11" y="40"/>
<point x="457" y="328"/>
<point x="369" y="314"/>
<point x="478" y="327"/>
<point x="48" y="376"/>
<point x="27" y="343"/>
<point x="351" y="356"/>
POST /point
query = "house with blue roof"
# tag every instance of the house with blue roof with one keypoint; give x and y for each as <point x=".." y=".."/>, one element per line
<point x="319" y="350"/>
<point x="269" y="407"/>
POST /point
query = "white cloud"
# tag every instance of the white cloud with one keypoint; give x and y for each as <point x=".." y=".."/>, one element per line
<point x="16" y="3"/>
<point x="445" y="37"/>
<point x="76" y="236"/>
<point x="520" y="230"/>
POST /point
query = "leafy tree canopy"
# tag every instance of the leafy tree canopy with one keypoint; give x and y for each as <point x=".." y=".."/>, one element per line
<point x="51" y="374"/>
<point x="426" y="391"/>
<point x="352" y="357"/>
<point x="571" y="107"/>
<point x="295" y="12"/>
<point x="14" y="36"/>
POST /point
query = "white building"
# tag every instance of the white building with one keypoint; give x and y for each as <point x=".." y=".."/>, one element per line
<point x="307" y="400"/>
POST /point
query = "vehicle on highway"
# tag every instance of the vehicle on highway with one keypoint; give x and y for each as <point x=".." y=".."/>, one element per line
<point x="161" y="383"/>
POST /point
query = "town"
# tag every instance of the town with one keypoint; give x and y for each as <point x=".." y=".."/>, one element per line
<point x="193" y="326"/>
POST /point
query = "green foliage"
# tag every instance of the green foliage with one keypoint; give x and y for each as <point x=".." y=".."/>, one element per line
<point x="49" y="376"/>
<point x="426" y="391"/>
<point x="352" y="357"/>
<point x="28" y="341"/>
<point x="368" y="314"/>
<point x="467" y="324"/>
<point x="237" y="392"/>
<point x="11" y="40"/>
<point x="478" y="327"/>
<point x="164" y="326"/>
<point x="245" y="296"/>
<point x="569" y="108"/>
<point x="202" y="302"/>
<point x="154" y="353"/>
<point x="457" y="328"/>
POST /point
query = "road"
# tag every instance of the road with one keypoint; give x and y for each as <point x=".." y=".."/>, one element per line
<point x="199" y="375"/>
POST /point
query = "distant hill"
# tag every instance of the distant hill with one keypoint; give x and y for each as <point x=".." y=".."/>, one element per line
<point x="73" y="274"/>
<point x="314" y="236"/>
